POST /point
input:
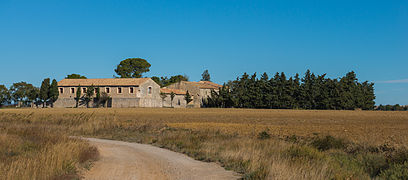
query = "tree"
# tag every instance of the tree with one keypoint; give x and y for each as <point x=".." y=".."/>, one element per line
<point x="89" y="94"/>
<point x="188" y="97"/>
<point x="34" y="95"/>
<point x="75" y="76"/>
<point x="205" y="76"/>
<point x="348" y="93"/>
<point x="98" y="97"/>
<point x="104" y="98"/>
<point x="157" y="80"/>
<point x="78" y="96"/>
<point x="172" y="95"/>
<point x="163" y="96"/>
<point x="177" y="78"/>
<point x="132" y="68"/>
<point x="45" y="91"/>
<point x="165" y="81"/>
<point x="20" y="92"/>
<point x="53" y="92"/>
<point x="4" y="95"/>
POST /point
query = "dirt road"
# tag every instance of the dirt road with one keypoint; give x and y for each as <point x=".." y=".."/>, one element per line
<point x="122" y="160"/>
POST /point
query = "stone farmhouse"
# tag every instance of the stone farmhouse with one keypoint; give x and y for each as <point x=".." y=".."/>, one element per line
<point x="125" y="92"/>
<point x="136" y="92"/>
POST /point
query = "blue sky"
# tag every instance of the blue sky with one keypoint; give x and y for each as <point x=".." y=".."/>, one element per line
<point x="40" y="39"/>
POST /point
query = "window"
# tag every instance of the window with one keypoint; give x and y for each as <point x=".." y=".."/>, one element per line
<point x="96" y="90"/>
<point x="131" y="90"/>
<point x="72" y="90"/>
<point x="107" y="90"/>
<point x="61" y="90"/>
<point x="84" y="90"/>
<point x="149" y="90"/>
<point x="119" y="90"/>
<point x="178" y="102"/>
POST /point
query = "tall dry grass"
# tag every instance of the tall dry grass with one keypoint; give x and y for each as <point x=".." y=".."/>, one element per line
<point x="32" y="151"/>
<point x="260" y="144"/>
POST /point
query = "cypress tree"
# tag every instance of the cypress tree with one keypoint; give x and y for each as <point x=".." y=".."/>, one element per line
<point x="97" y="97"/>
<point x="296" y="92"/>
<point x="53" y="92"/>
<point x="205" y="76"/>
<point x="89" y="94"/>
<point x="172" y="95"/>
<point x="188" y="97"/>
<point x="78" y="96"/>
<point x="45" y="91"/>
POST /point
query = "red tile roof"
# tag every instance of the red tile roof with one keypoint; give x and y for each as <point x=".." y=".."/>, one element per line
<point x="175" y="91"/>
<point x="205" y="84"/>
<point x="103" y="82"/>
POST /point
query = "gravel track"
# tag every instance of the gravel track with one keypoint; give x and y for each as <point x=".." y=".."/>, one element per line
<point x="123" y="160"/>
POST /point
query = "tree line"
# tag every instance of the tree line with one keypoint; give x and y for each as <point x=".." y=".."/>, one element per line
<point x="389" y="107"/>
<point x="26" y="94"/>
<point x="309" y="92"/>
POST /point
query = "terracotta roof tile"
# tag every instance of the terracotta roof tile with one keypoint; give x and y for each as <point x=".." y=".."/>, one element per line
<point x="103" y="82"/>
<point x="205" y="84"/>
<point x="175" y="91"/>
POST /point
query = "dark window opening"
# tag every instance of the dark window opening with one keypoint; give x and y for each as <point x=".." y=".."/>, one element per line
<point x="61" y="90"/>
<point x="107" y="90"/>
<point x="131" y="90"/>
<point x="119" y="90"/>
<point x="72" y="90"/>
<point x="179" y="102"/>
<point x="84" y="90"/>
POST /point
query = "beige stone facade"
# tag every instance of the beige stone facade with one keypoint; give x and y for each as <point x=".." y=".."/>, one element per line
<point x="198" y="90"/>
<point x="125" y="92"/>
<point x="135" y="92"/>
<point x="179" y="100"/>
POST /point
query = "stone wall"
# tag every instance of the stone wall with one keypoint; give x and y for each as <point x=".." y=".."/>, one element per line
<point x="150" y="98"/>
<point x="125" y="102"/>
<point x="178" y="101"/>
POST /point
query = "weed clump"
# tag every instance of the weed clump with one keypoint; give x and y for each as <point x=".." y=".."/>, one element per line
<point x="395" y="172"/>
<point x="328" y="142"/>
<point x="264" y="135"/>
<point x="304" y="152"/>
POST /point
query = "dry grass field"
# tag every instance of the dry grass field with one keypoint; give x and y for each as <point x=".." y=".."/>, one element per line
<point x="260" y="144"/>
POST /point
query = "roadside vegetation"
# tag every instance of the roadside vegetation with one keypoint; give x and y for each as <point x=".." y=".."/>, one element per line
<point x="39" y="151"/>
<point x="259" y="144"/>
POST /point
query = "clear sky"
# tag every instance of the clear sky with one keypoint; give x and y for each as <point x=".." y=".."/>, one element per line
<point x="40" y="39"/>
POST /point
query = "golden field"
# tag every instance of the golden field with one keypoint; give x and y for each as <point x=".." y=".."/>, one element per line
<point x="260" y="144"/>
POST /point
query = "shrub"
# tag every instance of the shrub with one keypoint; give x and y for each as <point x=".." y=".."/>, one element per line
<point x="396" y="171"/>
<point x="373" y="163"/>
<point x="346" y="166"/>
<point x="399" y="156"/>
<point x="264" y="135"/>
<point x="328" y="142"/>
<point x="304" y="152"/>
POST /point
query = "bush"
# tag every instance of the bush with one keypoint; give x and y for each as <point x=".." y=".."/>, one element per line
<point x="304" y="152"/>
<point x="399" y="156"/>
<point x="264" y="135"/>
<point x="328" y="142"/>
<point x="396" y="171"/>
<point x="373" y="163"/>
<point x="347" y="167"/>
